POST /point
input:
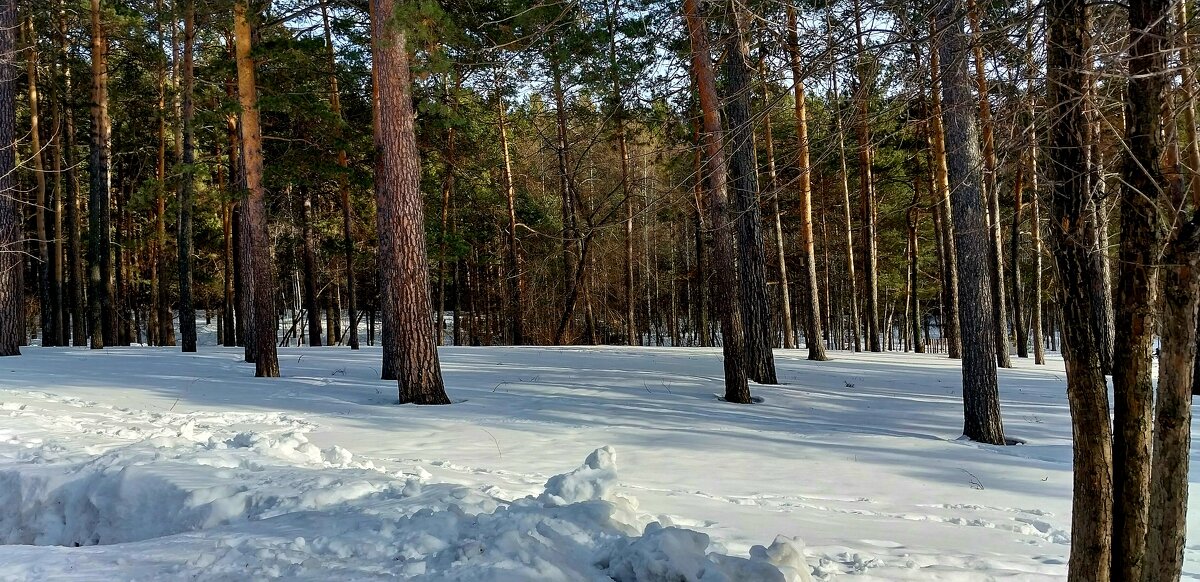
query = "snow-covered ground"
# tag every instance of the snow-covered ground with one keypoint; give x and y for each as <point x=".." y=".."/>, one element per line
<point x="168" y="466"/>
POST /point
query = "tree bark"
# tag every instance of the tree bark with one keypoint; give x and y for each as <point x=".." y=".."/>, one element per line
<point x="914" y="303"/>
<point x="981" y="398"/>
<point x="1018" y="317"/>
<point x="187" y="186"/>
<point x="1140" y="245"/>
<point x="1068" y="43"/>
<point x="404" y="274"/>
<point x="951" y="319"/>
<point x="312" y="305"/>
<point x="258" y="270"/>
<point x="724" y="290"/>
<point x="991" y="194"/>
<point x="99" y="213"/>
<point x="743" y="175"/>
<point x="1172" y="408"/>
<point x="12" y="288"/>
<point x="812" y="297"/>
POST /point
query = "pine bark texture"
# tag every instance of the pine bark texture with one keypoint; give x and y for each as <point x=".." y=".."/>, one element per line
<point x="724" y="284"/>
<point x="99" y="213"/>
<point x="1068" y="41"/>
<point x="187" y="186"/>
<point x="1140" y="245"/>
<point x="743" y="179"/>
<point x="404" y="275"/>
<point x="12" y="288"/>
<point x="981" y="398"/>
<point x="1173" y="406"/>
<point x="258" y="268"/>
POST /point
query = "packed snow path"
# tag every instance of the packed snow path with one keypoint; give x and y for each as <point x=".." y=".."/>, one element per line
<point x="164" y="465"/>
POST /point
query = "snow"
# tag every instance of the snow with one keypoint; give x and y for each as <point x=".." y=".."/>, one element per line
<point x="160" y="465"/>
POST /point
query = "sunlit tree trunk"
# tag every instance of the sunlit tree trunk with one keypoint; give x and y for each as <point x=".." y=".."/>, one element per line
<point x="951" y="320"/>
<point x="258" y="271"/>
<point x="401" y="218"/>
<point x="724" y="291"/>
<point x="49" y="337"/>
<point x="515" y="278"/>
<point x="812" y="303"/>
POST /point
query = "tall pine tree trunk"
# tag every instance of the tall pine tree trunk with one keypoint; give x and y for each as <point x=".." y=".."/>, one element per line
<point x="785" y="296"/>
<point x="991" y="194"/>
<point x="743" y="175"/>
<point x="75" y="288"/>
<point x="981" y="398"/>
<point x="335" y="104"/>
<point x="847" y="218"/>
<point x="515" y="278"/>
<point x="866" y="186"/>
<point x="187" y="186"/>
<point x="312" y="304"/>
<point x="812" y="303"/>
<point x="49" y="337"/>
<point x="99" y="213"/>
<point x="401" y="221"/>
<point x="1141" y="243"/>
<point x="724" y="290"/>
<point x="12" y="288"/>
<point x="258" y="269"/>
<point x="1068" y="43"/>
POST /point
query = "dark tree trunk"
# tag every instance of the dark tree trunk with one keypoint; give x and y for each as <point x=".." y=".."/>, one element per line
<point x="981" y="398"/>
<point x="1173" y="405"/>
<point x="12" y="288"/>
<point x="1018" y="317"/>
<point x="724" y="272"/>
<point x="99" y="215"/>
<point x="312" y="307"/>
<point x="867" y="186"/>
<point x="401" y="221"/>
<point x="1141" y="243"/>
<point x="49" y="337"/>
<point x="914" y="303"/>
<point x="187" y="187"/>
<point x="75" y="288"/>
<point x="1068" y="43"/>
<point x="258" y="267"/>
<point x="743" y="175"/>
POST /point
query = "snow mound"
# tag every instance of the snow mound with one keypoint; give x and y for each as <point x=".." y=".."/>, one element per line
<point x="195" y="499"/>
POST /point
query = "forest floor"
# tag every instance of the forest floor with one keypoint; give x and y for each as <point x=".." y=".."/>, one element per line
<point x="182" y="466"/>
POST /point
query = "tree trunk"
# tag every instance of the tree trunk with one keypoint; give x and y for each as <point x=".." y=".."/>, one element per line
<point x="844" y="174"/>
<point x="12" y="288"/>
<point x="724" y="291"/>
<point x="812" y="297"/>
<point x="515" y="278"/>
<point x="259" y="269"/>
<point x="312" y="305"/>
<point x="785" y="296"/>
<point x="914" y="303"/>
<point x="401" y="221"/>
<point x="1141" y="243"/>
<point x="1173" y="410"/>
<point x="75" y="292"/>
<point x="1018" y="317"/>
<point x="572" y="266"/>
<point x="991" y="194"/>
<point x="743" y="175"/>
<point x="951" y="319"/>
<point x="1035" y="228"/>
<point x="35" y="145"/>
<point x="866" y="186"/>
<point x="335" y="104"/>
<point x="981" y="398"/>
<point x="1068" y="42"/>
<point x="187" y="186"/>
<point x="99" y="215"/>
<point x="447" y="197"/>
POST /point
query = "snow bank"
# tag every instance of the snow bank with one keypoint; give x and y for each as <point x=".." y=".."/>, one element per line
<point x="195" y="499"/>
